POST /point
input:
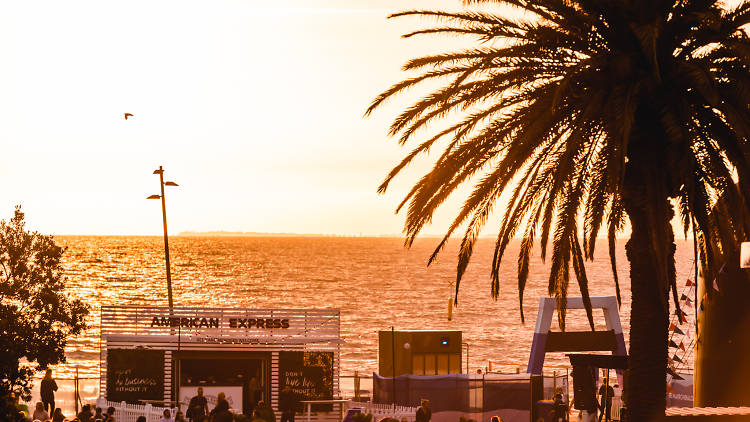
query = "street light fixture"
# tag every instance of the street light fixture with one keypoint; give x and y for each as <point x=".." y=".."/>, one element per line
<point x="162" y="183"/>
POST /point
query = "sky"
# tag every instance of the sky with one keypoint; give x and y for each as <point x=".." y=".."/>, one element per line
<point x="254" y="108"/>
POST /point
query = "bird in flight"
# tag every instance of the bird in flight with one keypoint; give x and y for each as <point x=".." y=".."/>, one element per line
<point x="128" y="115"/>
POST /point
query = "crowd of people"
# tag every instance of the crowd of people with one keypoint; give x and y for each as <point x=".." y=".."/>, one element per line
<point x="262" y="411"/>
<point x="197" y="410"/>
<point x="40" y="414"/>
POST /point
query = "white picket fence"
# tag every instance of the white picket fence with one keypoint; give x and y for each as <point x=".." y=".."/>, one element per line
<point x="381" y="411"/>
<point x="125" y="412"/>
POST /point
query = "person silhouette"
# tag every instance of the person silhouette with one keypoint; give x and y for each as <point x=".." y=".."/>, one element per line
<point x="47" y="392"/>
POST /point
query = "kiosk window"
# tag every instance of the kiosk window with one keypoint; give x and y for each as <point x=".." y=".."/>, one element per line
<point x="417" y="365"/>
<point x="442" y="364"/>
<point x="455" y="363"/>
<point x="243" y="379"/>
<point x="429" y="365"/>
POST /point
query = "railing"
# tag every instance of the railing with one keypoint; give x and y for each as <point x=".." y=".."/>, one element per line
<point x="381" y="411"/>
<point x="125" y="412"/>
<point x="130" y="412"/>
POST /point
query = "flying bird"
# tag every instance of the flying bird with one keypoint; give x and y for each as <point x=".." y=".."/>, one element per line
<point x="128" y="115"/>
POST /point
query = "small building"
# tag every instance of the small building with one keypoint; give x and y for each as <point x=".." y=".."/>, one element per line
<point x="419" y="352"/>
<point x="151" y="354"/>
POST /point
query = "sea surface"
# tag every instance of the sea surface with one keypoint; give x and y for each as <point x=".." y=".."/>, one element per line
<point x="375" y="282"/>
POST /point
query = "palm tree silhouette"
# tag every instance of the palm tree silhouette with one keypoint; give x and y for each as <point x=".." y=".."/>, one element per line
<point x="590" y="114"/>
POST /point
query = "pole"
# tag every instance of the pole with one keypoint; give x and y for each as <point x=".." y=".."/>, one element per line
<point x="554" y="382"/>
<point x="75" y="392"/>
<point x="166" y="238"/>
<point x="606" y="396"/>
<point x="393" y="356"/>
<point x="356" y="386"/>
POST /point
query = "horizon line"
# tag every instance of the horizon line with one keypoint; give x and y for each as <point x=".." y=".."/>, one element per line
<point x="228" y="233"/>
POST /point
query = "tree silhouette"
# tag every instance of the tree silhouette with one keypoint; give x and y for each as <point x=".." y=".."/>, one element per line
<point x="36" y="315"/>
<point x="590" y="115"/>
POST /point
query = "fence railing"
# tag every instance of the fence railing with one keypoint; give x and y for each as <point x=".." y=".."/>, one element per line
<point x="381" y="411"/>
<point x="125" y="412"/>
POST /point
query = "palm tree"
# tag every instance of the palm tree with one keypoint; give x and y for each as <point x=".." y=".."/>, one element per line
<point x="589" y="114"/>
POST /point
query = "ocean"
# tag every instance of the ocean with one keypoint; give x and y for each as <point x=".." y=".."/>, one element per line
<point x="375" y="282"/>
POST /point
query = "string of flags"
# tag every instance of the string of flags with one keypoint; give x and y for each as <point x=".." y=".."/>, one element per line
<point x="676" y="346"/>
<point x="679" y="351"/>
<point x="675" y="329"/>
<point x="679" y="336"/>
<point x="672" y="343"/>
<point x="681" y="315"/>
<point x="674" y="375"/>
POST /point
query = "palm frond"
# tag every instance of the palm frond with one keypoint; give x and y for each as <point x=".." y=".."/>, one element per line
<point x="554" y="110"/>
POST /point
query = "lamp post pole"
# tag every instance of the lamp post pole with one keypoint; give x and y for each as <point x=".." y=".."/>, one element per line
<point x="166" y="237"/>
<point x="160" y="172"/>
<point x="393" y="354"/>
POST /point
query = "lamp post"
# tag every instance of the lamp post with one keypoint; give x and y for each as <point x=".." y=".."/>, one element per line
<point x="162" y="183"/>
<point x="393" y="355"/>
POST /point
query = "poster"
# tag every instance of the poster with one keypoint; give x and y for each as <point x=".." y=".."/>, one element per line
<point x="310" y="375"/>
<point x="134" y="375"/>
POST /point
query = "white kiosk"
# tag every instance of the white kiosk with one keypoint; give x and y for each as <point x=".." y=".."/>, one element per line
<point x="155" y="355"/>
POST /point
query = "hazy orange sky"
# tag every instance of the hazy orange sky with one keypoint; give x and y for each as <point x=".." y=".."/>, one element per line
<point x="254" y="108"/>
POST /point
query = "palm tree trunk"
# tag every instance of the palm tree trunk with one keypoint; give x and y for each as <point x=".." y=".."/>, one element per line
<point x="650" y="251"/>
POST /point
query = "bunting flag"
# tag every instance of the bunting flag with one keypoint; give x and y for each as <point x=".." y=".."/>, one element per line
<point x="682" y="346"/>
<point x="674" y="374"/>
<point x="673" y="344"/>
<point x="678" y="331"/>
<point x="689" y="283"/>
<point x="672" y="327"/>
<point x="684" y="297"/>
<point x="682" y="316"/>
<point x="688" y="302"/>
<point x="676" y="359"/>
<point x="669" y="360"/>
